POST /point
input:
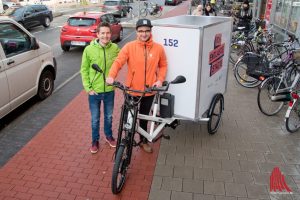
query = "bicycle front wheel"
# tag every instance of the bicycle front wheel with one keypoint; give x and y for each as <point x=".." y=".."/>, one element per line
<point x="119" y="170"/>
<point x="292" y="122"/>
<point x="237" y="51"/>
<point x="266" y="91"/>
<point x="143" y="12"/>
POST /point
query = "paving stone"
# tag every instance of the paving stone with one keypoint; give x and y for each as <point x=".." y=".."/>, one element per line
<point x="212" y="164"/>
<point x="161" y="159"/>
<point x="231" y="165"/>
<point x="221" y="175"/>
<point x="267" y="167"/>
<point x="193" y="161"/>
<point x="243" y="177"/>
<point x="219" y="154"/>
<point x="174" y="159"/>
<point x="261" y="178"/>
<point x="243" y="146"/>
<point x="156" y="182"/>
<point x="257" y="191"/>
<point x="250" y="166"/>
<point x="273" y="158"/>
<point x="237" y="155"/>
<point x="181" y="196"/>
<point x="203" y="174"/>
<point x="255" y="156"/>
<point x="192" y="185"/>
<point x="214" y="188"/>
<point x="236" y="190"/>
<point x="202" y="152"/>
<point x="164" y="170"/>
<point x="260" y="147"/>
<point x="174" y="184"/>
<point x="185" y="150"/>
<point x="159" y="195"/>
<point x="183" y="172"/>
<point x="204" y="197"/>
<point x="226" y="145"/>
<point x="225" y="198"/>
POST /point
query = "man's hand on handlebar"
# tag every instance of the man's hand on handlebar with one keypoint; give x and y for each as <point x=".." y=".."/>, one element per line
<point x="109" y="80"/>
<point x="157" y="84"/>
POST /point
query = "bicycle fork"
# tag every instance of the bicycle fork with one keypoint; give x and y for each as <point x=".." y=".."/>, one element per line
<point x="294" y="98"/>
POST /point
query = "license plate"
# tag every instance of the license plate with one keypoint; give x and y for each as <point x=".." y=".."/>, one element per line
<point x="77" y="43"/>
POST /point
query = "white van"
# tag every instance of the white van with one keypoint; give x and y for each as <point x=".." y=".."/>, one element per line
<point x="27" y="66"/>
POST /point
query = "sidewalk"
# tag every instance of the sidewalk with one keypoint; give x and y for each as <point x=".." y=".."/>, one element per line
<point x="234" y="164"/>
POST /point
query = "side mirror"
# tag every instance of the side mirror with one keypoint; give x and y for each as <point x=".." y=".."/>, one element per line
<point x="178" y="79"/>
<point x="97" y="68"/>
<point x="34" y="44"/>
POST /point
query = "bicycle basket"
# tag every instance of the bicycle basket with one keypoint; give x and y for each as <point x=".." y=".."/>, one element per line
<point x="257" y="67"/>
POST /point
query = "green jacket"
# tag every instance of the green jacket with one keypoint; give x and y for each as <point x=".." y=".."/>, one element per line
<point x="103" y="57"/>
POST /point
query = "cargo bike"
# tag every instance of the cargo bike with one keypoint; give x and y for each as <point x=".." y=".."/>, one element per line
<point x="196" y="82"/>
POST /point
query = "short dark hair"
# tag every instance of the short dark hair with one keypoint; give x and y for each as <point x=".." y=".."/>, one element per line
<point x="103" y="24"/>
<point x="246" y="2"/>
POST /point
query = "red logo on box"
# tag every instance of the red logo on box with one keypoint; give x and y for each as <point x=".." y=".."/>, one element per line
<point x="216" y="55"/>
<point x="277" y="182"/>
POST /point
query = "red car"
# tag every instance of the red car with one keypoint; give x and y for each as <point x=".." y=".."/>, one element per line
<point x="80" y="29"/>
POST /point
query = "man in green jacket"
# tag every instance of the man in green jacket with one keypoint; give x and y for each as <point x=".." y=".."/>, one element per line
<point x="102" y="52"/>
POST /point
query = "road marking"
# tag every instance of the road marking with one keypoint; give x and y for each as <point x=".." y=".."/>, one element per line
<point x="66" y="82"/>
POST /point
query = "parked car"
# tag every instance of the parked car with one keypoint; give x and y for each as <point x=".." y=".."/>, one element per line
<point x="30" y="15"/>
<point x="27" y="66"/>
<point x="116" y="7"/>
<point x="8" y="4"/>
<point x="172" y="2"/>
<point x="80" y="29"/>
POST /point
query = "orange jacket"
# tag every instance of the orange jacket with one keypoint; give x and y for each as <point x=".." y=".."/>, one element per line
<point x="136" y="54"/>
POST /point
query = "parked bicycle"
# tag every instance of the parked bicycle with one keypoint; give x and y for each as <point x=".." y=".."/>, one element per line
<point x="151" y="9"/>
<point x="128" y="126"/>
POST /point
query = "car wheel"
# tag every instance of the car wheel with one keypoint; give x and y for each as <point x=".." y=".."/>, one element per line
<point x="46" y="85"/>
<point x="5" y="7"/>
<point x="65" y="48"/>
<point x="46" y="22"/>
<point x="120" y="35"/>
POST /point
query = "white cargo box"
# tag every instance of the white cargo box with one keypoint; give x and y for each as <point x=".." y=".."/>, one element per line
<point x="198" y="48"/>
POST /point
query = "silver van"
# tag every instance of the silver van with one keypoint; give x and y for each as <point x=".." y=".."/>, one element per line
<point x="27" y="66"/>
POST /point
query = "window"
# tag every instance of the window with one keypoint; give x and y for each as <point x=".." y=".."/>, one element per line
<point x="78" y="21"/>
<point x="13" y="40"/>
<point x="39" y="8"/>
<point x="111" y="3"/>
<point x="29" y="11"/>
<point x="295" y="13"/>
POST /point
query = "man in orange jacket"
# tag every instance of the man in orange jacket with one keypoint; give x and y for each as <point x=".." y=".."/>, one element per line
<point x="147" y="66"/>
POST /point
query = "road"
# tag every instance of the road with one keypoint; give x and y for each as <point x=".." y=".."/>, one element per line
<point x="17" y="128"/>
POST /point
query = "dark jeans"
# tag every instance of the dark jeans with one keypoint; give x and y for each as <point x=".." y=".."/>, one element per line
<point x="145" y="107"/>
<point x="95" y="104"/>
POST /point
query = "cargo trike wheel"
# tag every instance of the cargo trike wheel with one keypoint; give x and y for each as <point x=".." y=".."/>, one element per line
<point x="215" y="113"/>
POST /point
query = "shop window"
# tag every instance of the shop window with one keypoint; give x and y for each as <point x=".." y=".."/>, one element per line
<point x="295" y="13"/>
<point x="282" y="12"/>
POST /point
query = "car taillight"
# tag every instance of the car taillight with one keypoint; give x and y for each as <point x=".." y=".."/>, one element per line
<point x="93" y="30"/>
<point x="102" y="6"/>
<point x="160" y="8"/>
<point x="118" y="7"/>
<point x="63" y="29"/>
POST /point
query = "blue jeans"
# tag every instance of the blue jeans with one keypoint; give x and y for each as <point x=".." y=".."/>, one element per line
<point x="95" y="104"/>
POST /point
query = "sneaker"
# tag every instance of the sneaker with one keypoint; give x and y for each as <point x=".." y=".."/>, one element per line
<point x="95" y="147"/>
<point x="111" y="141"/>
<point x="146" y="147"/>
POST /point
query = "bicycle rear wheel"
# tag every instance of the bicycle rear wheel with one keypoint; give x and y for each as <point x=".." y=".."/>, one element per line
<point x="143" y="12"/>
<point x="241" y="76"/>
<point x="237" y="50"/>
<point x="119" y="169"/>
<point x="158" y="13"/>
<point x="292" y="122"/>
<point x="266" y="91"/>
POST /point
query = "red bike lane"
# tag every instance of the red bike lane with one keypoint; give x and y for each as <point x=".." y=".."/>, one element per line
<point x="57" y="163"/>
